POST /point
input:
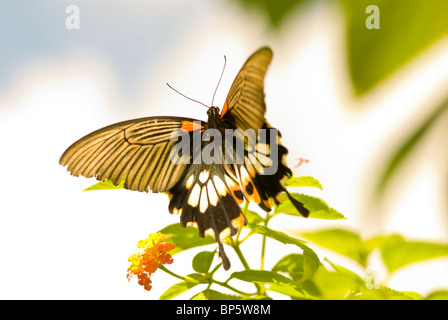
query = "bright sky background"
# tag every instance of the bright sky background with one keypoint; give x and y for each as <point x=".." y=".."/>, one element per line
<point x="57" y="85"/>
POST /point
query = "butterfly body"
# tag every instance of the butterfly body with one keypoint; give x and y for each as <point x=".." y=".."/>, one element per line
<point x="214" y="119"/>
<point x="213" y="174"/>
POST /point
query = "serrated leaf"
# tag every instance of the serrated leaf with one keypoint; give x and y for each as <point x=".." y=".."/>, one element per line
<point x="263" y="276"/>
<point x="342" y="241"/>
<point x="185" y="238"/>
<point x="106" y="185"/>
<point x="202" y="261"/>
<point x="214" y="295"/>
<point x="384" y="293"/>
<point x="305" y="181"/>
<point x="317" y="207"/>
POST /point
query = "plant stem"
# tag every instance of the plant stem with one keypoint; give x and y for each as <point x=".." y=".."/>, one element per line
<point x="162" y="267"/>
<point x="236" y="244"/>
<point x="223" y="284"/>
<point x="226" y="285"/>
<point x="263" y="244"/>
<point x="236" y="247"/>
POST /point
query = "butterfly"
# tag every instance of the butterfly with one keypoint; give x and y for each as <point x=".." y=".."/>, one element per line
<point x="204" y="194"/>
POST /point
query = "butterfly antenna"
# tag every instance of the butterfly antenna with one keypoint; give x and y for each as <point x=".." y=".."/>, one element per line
<point x="188" y="97"/>
<point x="223" y="68"/>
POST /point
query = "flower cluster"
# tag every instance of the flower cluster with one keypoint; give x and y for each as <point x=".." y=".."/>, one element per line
<point x="155" y="252"/>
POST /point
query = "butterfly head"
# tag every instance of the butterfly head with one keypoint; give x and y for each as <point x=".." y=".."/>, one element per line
<point x="214" y="118"/>
<point x="213" y="112"/>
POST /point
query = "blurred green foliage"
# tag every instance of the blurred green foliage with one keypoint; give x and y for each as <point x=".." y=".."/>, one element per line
<point x="407" y="147"/>
<point x="396" y="251"/>
<point x="303" y="275"/>
<point x="275" y="11"/>
<point x="406" y="29"/>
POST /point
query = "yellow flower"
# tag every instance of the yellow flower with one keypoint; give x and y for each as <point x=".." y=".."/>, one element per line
<point x="155" y="252"/>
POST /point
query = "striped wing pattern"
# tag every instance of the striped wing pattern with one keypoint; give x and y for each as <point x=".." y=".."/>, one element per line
<point x="138" y="149"/>
<point x="244" y="106"/>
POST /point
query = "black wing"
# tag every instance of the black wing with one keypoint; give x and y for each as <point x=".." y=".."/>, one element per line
<point x="208" y="198"/>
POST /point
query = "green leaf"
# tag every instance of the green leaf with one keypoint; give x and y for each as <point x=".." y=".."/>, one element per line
<point x="407" y="147"/>
<point x="346" y="271"/>
<point x="310" y="259"/>
<point x="191" y="281"/>
<point x="185" y="238"/>
<point x="406" y="29"/>
<point x="397" y="252"/>
<point x="384" y="293"/>
<point x="336" y="285"/>
<point x="438" y="295"/>
<point x="317" y="207"/>
<point x="291" y="264"/>
<point x="253" y="217"/>
<point x="275" y="10"/>
<point x="176" y="290"/>
<point x="214" y="295"/>
<point x="203" y="260"/>
<point x="277" y="235"/>
<point x="259" y="297"/>
<point x="106" y="185"/>
<point x="287" y="289"/>
<point x="263" y="276"/>
<point x="342" y="241"/>
<point x="305" y="181"/>
<point x="375" y="242"/>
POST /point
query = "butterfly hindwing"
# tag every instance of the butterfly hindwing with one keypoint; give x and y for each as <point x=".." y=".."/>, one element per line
<point x="208" y="198"/>
<point x="263" y="172"/>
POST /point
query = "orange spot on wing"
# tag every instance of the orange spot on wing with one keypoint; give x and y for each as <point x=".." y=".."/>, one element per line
<point x="224" y="109"/>
<point x="190" y="126"/>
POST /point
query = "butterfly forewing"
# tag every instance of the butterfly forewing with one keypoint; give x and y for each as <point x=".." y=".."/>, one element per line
<point x="244" y="106"/>
<point x="138" y="149"/>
